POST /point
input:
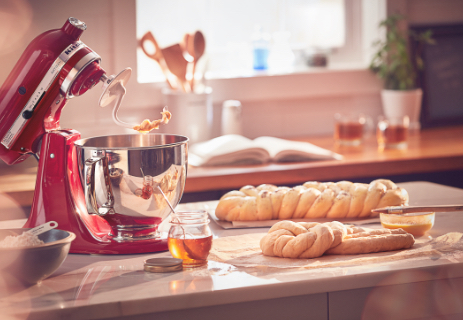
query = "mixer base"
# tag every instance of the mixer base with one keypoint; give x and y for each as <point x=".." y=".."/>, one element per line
<point x="59" y="198"/>
<point x="127" y="247"/>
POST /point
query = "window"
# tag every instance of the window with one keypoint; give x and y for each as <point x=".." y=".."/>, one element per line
<point x="346" y="73"/>
<point x="296" y="28"/>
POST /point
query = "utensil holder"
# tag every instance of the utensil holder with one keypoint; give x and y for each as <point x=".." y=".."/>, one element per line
<point x="192" y="114"/>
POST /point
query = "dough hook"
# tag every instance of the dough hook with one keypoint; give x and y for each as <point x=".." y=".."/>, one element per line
<point x="114" y="90"/>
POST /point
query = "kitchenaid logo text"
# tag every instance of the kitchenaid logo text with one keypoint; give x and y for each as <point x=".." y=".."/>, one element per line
<point x="72" y="47"/>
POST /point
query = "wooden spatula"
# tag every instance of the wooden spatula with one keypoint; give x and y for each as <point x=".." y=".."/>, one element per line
<point x="177" y="64"/>
<point x="156" y="55"/>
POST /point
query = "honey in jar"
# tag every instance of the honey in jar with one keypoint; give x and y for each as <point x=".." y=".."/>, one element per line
<point x="147" y="190"/>
<point x="190" y="238"/>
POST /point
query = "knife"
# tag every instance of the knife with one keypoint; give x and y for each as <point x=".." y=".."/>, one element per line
<point x="410" y="209"/>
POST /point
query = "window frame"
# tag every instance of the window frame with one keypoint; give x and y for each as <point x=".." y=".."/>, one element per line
<point x="362" y="18"/>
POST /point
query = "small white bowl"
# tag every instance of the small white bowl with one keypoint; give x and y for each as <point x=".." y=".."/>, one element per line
<point x="415" y="223"/>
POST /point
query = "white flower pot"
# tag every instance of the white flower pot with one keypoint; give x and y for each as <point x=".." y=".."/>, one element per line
<point x="399" y="103"/>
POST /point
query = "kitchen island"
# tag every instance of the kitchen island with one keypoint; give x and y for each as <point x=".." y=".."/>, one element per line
<point x="116" y="287"/>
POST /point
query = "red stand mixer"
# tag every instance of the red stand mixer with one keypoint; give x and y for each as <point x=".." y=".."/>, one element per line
<point x="55" y="67"/>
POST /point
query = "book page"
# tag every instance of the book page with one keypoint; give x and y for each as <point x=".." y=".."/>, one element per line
<point x="227" y="149"/>
<point x="287" y="150"/>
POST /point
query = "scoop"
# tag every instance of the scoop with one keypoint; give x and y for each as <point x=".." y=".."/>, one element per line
<point x="167" y="200"/>
<point x="43" y="228"/>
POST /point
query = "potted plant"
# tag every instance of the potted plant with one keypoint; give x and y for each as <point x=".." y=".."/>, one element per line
<point x="398" y="67"/>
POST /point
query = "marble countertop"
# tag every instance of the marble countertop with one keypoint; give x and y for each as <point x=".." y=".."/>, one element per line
<point x="116" y="287"/>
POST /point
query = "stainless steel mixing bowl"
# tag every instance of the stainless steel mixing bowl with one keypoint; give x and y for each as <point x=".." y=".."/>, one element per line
<point x="121" y="176"/>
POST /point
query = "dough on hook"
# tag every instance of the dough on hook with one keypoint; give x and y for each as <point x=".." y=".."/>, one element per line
<point x="147" y="125"/>
<point x="114" y="90"/>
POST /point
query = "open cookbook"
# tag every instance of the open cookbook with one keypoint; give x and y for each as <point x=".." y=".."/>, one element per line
<point x="235" y="149"/>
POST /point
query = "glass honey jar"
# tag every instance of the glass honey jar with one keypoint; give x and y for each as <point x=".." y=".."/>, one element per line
<point x="190" y="237"/>
<point x="147" y="190"/>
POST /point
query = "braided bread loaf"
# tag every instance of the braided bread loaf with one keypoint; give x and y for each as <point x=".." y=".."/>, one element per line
<point x="306" y="240"/>
<point x="342" y="199"/>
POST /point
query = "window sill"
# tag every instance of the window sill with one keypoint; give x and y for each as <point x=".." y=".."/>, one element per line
<point x="311" y="83"/>
<point x="329" y="82"/>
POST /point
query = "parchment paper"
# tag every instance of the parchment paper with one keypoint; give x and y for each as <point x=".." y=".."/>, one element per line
<point x="244" y="251"/>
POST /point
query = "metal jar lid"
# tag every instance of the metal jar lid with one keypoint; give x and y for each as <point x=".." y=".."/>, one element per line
<point x="163" y="265"/>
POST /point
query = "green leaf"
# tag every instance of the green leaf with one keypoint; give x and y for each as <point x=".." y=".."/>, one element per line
<point x="392" y="62"/>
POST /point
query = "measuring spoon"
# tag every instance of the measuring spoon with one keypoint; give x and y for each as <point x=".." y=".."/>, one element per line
<point x="43" y="228"/>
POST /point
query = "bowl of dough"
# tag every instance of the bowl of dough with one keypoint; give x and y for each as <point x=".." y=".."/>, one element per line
<point x="27" y="258"/>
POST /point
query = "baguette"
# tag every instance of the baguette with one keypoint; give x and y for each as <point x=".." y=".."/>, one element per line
<point x="306" y="240"/>
<point x="368" y="242"/>
<point x="311" y="200"/>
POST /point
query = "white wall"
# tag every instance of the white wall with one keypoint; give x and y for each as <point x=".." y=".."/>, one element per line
<point x="283" y="106"/>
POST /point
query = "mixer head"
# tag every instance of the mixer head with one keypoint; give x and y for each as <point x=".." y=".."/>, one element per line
<point x="55" y="67"/>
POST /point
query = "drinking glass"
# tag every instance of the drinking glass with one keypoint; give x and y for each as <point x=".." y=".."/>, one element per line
<point x="350" y="129"/>
<point x="392" y="133"/>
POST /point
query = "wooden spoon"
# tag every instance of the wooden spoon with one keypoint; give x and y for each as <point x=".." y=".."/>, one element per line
<point x="184" y="44"/>
<point x="196" y="49"/>
<point x="177" y="64"/>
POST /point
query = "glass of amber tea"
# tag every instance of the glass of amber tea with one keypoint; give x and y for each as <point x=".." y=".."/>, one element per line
<point x="190" y="237"/>
<point x="392" y="133"/>
<point x="350" y="129"/>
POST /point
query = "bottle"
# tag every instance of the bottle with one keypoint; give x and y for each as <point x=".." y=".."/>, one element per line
<point x="231" y="117"/>
<point x="261" y="43"/>
<point x="281" y="57"/>
<point x="190" y="237"/>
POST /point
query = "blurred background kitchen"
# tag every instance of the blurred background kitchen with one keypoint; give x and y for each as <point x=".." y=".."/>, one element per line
<point x="318" y="58"/>
<point x="286" y="100"/>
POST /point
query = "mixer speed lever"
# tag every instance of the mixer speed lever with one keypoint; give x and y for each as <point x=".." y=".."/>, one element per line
<point x="27" y="114"/>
